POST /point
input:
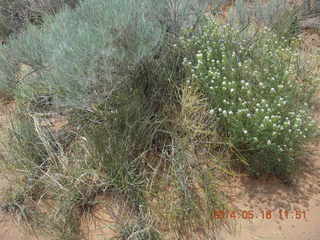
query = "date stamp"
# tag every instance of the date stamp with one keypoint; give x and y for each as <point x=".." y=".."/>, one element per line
<point x="262" y="214"/>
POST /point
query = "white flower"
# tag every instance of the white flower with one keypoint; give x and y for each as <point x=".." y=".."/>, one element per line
<point x="245" y="131"/>
<point x="199" y="55"/>
<point x="224" y="113"/>
<point x="211" y="111"/>
<point x="230" y="112"/>
<point x="268" y="142"/>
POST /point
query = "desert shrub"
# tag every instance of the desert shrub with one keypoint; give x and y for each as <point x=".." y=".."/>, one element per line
<point x="131" y="122"/>
<point x="113" y="66"/>
<point x="280" y="16"/>
<point x="11" y="13"/>
<point x="117" y="140"/>
<point x="27" y="151"/>
<point x="186" y="177"/>
<point x="43" y="171"/>
<point x="16" y="14"/>
<point x="81" y="56"/>
<point x="255" y="89"/>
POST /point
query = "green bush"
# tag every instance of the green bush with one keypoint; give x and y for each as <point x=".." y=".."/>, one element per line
<point x="279" y="15"/>
<point x="81" y="56"/>
<point x="255" y="89"/>
<point x="113" y="66"/>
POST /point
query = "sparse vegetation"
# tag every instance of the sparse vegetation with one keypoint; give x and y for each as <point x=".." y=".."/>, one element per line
<point x="280" y="16"/>
<point x="145" y="112"/>
<point x="16" y="14"/>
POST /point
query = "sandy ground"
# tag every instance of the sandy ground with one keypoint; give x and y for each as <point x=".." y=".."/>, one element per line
<point x="302" y="198"/>
<point x="100" y="226"/>
<point x="301" y="201"/>
<point x="245" y="194"/>
<point x="259" y="196"/>
<point x="9" y="228"/>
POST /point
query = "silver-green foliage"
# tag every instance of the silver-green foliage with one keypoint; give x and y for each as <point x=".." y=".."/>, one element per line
<point x="82" y="55"/>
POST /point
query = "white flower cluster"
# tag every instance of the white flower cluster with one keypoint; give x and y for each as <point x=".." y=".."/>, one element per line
<point x="251" y="88"/>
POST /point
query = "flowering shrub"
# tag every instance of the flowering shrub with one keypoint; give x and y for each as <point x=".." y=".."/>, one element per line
<point x="255" y="92"/>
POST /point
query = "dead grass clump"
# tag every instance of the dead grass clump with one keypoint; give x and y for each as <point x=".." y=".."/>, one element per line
<point x="191" y="178"/>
